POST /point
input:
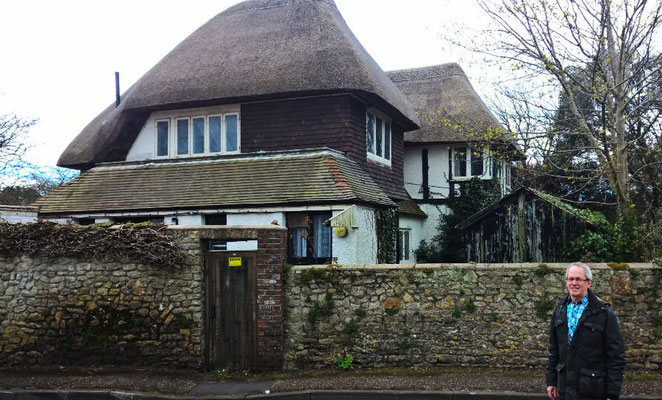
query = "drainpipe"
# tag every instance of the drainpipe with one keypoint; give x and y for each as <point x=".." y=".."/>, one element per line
<point x="117" y="89"/>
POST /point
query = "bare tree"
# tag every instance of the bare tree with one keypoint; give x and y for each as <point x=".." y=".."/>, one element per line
<point x="13" y="132"/>
<point x="599" y="50"/>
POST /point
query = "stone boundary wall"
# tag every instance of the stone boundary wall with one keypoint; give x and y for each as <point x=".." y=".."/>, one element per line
<point x="89" y="312"/>
<point x="437" y="315"/>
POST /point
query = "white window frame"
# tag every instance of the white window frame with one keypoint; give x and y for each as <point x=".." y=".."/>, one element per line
<point x="173" y="135"/>
<point x="224" y="134"/>
<point x="373" y="156"/>
<point x="176" y="146"/>
<point x="204" y="136"/>
<point x="404" y="253"/>
<point x="168" y="138"/>
<point x="487" y="164"/>
<point x="207" y="141"/>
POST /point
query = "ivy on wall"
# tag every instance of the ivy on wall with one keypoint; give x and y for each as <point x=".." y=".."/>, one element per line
<point x="144" y="243"/>
<point x="386" y="225"/>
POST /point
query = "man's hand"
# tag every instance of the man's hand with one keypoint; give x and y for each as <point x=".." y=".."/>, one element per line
<point x="552" y="392"/>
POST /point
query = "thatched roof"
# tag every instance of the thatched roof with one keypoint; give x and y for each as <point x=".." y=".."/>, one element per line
<point x="311" y="177"/>
<point x="449" y="108"/>
<point x="258" y="49"/>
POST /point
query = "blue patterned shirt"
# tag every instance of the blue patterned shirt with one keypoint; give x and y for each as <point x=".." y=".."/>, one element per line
<point x="574" y="312"/>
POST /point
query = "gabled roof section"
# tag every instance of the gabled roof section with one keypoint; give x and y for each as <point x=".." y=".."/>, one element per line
<point x="554" y="201"/>
<point x="255" y="50"/>
<point x="449" y="108"/>
<point x="321" y="176"/>
<point x="409" y="207"/>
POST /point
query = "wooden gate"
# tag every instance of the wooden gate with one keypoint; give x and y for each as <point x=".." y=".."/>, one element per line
<point x="231" y="306"/>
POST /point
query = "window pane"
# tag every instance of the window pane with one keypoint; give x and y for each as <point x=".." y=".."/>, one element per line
<point x="370" y="133"/>
<point x="215" y="134"/>
<point x="387" y="140"/>
<point x="379" y="137"/>
<point x="322" y="236"/>
<point x="460" y="161"/>
<point x="230" y="133"/>
<point x="198" y="135"/>
<point x="299" y="241"/>
<point x="182" y="136"/>
<point x="476" y="163"/>
<point x="162" y="138"/>
<point x="405" y="245"/>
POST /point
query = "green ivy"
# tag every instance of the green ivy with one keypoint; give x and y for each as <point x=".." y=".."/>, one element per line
<point x="606" y="241"/>
<point x="386" y="226"/>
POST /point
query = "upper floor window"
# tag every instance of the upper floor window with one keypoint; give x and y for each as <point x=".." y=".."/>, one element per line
<point x="468" y="163"/>
<point x="378" y="137"/>
<point x="198" y="135"/>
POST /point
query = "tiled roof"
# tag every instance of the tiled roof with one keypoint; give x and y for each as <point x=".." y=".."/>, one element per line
<point x="282" y="178"/>
<point x="410" y="207"/>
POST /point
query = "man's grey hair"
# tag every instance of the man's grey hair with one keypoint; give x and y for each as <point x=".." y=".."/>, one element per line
<point x="587" y="270"/>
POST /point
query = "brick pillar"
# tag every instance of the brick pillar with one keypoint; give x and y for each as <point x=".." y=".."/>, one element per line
<point x="271" y="254"/>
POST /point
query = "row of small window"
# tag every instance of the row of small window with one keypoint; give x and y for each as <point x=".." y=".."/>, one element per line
<point x="378" y="138"/>
<point x="469" y="163"/>
<point x="210" y="134"/>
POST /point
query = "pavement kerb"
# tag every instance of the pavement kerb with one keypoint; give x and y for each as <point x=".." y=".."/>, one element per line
<point x="302" y="395"/>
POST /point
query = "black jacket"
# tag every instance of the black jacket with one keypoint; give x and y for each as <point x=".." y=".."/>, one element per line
<point x="591" y="367"/>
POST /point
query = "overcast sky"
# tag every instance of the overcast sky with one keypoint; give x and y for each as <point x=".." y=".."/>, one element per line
<point x="59" y="57"/>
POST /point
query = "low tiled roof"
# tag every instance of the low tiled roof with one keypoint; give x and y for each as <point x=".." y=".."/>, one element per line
<point x="409" y="207"/>
<point x="281" y="178"/>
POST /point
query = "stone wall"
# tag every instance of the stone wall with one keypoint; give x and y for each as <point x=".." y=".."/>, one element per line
<point x="76" y="312"/>
<point x="436" y="316"/>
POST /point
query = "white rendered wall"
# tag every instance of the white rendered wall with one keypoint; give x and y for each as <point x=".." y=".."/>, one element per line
<point x="256" y="218"/>
<point x="144" y="147"/>
<point x="17" y="215"/>
<point x="359" y="246"/>
<point x="415" y="227"/>
<point x="438" y="172"/>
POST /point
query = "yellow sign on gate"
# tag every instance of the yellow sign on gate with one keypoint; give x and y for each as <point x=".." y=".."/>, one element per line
<point x="234" y="261"/>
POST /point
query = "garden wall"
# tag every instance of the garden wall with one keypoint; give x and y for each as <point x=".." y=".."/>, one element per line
<point x="435" y="316"/>
<point x="71" y="312"/>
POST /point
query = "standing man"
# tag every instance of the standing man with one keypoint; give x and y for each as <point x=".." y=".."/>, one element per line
<point x="586" y="356"/>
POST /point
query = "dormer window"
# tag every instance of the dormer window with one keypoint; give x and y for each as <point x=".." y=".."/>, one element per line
<point x="197" y="135"/>
<point x="378" y="137"/>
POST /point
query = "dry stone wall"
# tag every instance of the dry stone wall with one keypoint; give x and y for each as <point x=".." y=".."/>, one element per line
<point x="436" y="316"/>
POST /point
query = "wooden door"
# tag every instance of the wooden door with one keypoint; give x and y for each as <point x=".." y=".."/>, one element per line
<point x="231" y="307"/>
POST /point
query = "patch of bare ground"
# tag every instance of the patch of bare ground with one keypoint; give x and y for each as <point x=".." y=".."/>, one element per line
<point x="182" y="381"/>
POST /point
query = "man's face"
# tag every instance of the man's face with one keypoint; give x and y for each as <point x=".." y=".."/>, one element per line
<point x="576" y="283"/>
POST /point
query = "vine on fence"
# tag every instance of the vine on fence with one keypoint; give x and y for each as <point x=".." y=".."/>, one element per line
<point x="144" y="243"/>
